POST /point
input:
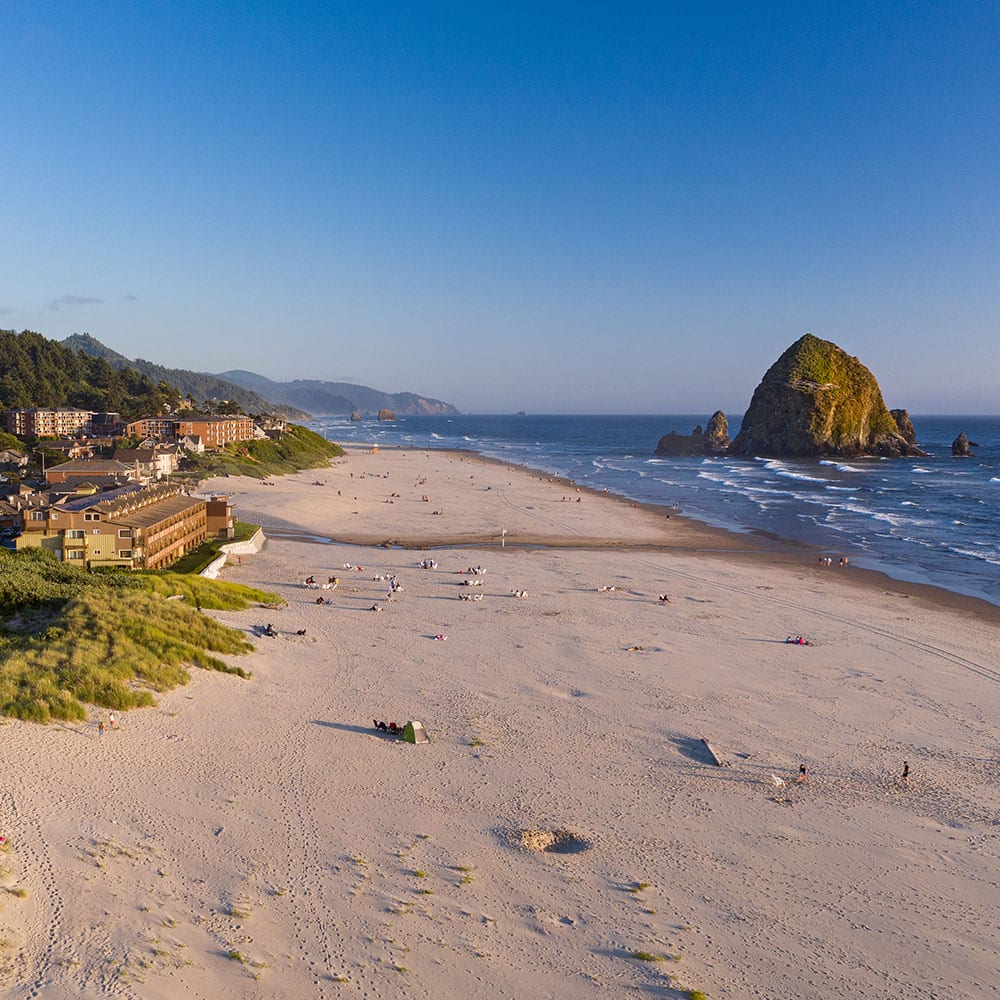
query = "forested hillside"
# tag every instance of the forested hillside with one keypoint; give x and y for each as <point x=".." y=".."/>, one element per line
<point x="199" y="385"/>
<point x="35" y="371"/>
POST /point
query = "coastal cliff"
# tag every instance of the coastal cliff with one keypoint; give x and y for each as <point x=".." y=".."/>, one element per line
<point x="817" y="400"/>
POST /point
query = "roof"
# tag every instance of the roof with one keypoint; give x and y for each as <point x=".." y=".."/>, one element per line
<point x="156" y="512"/>
<point x="86" y="502"/>
<point x="89" y="467"/>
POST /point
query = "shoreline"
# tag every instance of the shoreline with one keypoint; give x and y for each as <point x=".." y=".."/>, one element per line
<point x="710" y="541"/>
<point x="259" y="837"/>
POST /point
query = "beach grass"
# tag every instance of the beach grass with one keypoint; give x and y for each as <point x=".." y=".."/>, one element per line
<point x="69" y="638"/>
<point x="298" y="448"/>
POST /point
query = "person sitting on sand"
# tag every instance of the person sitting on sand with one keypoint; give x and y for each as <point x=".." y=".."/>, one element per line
<point x="803" y="774"/>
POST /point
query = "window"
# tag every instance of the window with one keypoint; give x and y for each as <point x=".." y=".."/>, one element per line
<point x="74" y="554"/>
<point x="124" y="553"/>
<point x="92" y="517"/>
<point x="55" y="517"/>
<point x="38" y="515"/>
<point x="124" y="532"/>
<point x="75" y="533"/>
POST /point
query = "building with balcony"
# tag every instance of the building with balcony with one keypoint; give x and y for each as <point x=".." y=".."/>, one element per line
<point x="49" y="422"/>
<point x="216" y="432"/>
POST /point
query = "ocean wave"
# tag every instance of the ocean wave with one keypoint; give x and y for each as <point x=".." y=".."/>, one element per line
<point x="437" y="437"/>
<point x="781" y="469"/>
<point x="839" y="466"/>
<point x="920" y="471"/>
<point x="990" y="556"/>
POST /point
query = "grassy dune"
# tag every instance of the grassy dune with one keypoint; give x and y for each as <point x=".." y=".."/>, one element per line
<point x="69" y="638"/>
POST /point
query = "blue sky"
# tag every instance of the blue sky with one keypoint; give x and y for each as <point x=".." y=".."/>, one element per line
<point x="555" y="208"/>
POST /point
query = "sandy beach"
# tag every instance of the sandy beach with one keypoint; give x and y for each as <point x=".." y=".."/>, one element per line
<point x="564" y="833"/>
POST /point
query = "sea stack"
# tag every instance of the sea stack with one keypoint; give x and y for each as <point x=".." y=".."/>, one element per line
<point x="817" y="400"/>
<point x="962" y="447"/>
<point x="355" y="416"/>
<point x="386" y="414"/>
<point x="713" y="441"/>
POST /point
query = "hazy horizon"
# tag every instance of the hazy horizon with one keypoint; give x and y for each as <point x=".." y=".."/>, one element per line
<point x="512" y="209"/>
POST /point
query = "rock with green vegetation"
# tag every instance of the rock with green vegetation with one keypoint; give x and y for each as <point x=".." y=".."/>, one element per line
<point x="816" y="400"/>
<point x="69" y="637"/>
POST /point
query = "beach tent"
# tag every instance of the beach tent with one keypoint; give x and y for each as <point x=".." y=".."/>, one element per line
<point x="414" y="732"/>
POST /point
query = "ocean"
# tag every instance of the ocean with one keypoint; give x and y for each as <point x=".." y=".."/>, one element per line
<point x="929" y="520"/>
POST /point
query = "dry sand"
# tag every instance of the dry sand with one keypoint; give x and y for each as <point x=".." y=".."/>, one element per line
<point x="258" y="839"/>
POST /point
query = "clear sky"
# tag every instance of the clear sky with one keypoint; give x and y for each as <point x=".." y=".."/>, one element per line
<point x="620" y="207"/>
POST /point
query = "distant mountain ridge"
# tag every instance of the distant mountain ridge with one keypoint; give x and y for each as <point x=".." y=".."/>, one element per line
<point x="259" y="394"/>
<point x="200" y="385"/>
<point x="337" y="397"/>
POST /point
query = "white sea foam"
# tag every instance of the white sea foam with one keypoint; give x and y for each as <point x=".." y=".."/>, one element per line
<point x="839" y="466"/>
<point x="781" y="469"/>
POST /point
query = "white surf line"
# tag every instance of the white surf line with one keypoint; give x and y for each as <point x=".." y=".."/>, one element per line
<point x="959" y="661"/>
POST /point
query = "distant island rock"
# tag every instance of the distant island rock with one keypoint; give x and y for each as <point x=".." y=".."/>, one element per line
<point x="817" y="400"/>
<point x="962" y="447"/>
<point x="386" y="414"/>
<point x="355" y="416"/>
<point x="713" y="441"/>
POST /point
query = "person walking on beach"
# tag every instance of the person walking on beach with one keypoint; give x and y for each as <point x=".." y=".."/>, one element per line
<point x="112" y="721"/>
<point x="803" y="774"/>
<point x="100" y="728"/>
<point x="906" y="773"/>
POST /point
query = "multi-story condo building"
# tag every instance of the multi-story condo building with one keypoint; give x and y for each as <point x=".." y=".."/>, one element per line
<point x="134" y="527"/>
<point x="215" y="432"/>
<point x="46" y="422"/>
<point x="159" y="427"/>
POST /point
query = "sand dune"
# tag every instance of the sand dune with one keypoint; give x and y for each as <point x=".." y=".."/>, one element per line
<point x="564" y="826"/>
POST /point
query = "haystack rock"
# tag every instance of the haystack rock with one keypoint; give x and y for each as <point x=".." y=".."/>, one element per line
<point x="817" y="400"/>
<point x="962" y="447"/>
<point x="386" y="414"/>
<point x="714" y="441"/>
<point x="355" y="416"/>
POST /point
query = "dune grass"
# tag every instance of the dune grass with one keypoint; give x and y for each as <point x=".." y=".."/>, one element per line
<point x="69" y="638"/>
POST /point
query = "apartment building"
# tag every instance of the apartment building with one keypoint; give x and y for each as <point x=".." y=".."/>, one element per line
<point x="216" y="432"/>
<point x="133" y="527"/>
<point x="159" y="428"/>
<point x="49" y="422"/>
